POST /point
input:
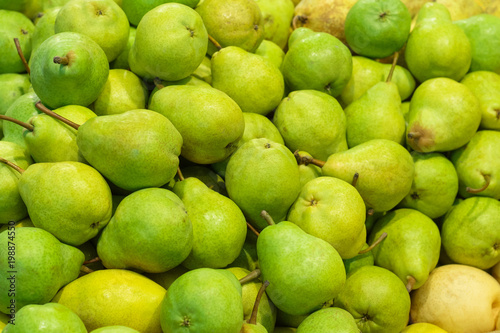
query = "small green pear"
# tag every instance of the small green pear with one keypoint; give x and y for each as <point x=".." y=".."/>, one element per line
<point x="166" y="279"/>
<point x="363" y="259"/>
<point x="21" y="109"/>
<point x="212" y="180"/>
<point x="12" y="86"/>
<point x="44" y="28"/>
<point x="271" y="52"/>
<point x="277" y="16"/>
<point x="136" y="9"/>
<point x="329" y="320"/>
<point x="14" y="25"/>
<point x="423" y="328"/>
<point x="308" y="172"/>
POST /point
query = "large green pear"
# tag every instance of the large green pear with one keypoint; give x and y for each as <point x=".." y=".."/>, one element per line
<point x="411" y="249"/>
<point x="277" y="16"/>
<point x="219" y="226"/>
<point x="436" y="47"/>
<point x="470" y="233"/>
<point x="39" y="266"/>
<point x="14" y="25"/>
<point x="377" y="299"/>
<point x="313" y="121"/>
<point x="486" y="87"/>
<point x="209" y="121"/>
<point x="135" y="149"/>
<point x="71" y="200"/>
<point x="329" y="320"/>
<point x="250" y="80"/>
<point x="384" y="172"/>
<point x="318" y="61"/>
<point x="68" y="68"/>
<point x="331" y="209"/>
<point x="303" y="271"/>
<point x="263" y="175"/>
<point x="434" y="187"/>
<point x="150" y="231"/>
<point x="136" y="9"/>
<point x="483" y="31"/>
<point x="12" y="86"/>
<point x="170" y="43"/>
<point x="444" y="115"/>
<point x="23" y="108"/>
<point x="50" y="317"/>
<point x="102" y="20"/>
<point x="477" y="170"/>
<point x="12" y="207"/>
<point x="114" y="297"/>
<point x="203" y="300"/>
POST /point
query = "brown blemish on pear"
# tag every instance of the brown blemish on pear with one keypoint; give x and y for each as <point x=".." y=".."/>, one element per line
<point x="420" y="138"/>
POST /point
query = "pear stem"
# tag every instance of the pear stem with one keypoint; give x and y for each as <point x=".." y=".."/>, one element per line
<point x="29" y="127"/>
<point x="86" y="270"/>
<point x="355" y="179"/>
<point x="479" y="190"/>
<point x="45" y="110"/>
<point x="414" y="135"/>
<point x="12" y="165"/>
<point x="253" y="229"/>
<point x="393" y="67"/>
<point x="255" y="310"/>
<point x="61" y="60"/>
<point x="370" y="212"/>
<point x="158" y="84"/>
<point x="308" y="160"/>
<point x="179" y="174"/>
<point x="296" y="19"/>
<point x="377" y="242"/>
<point x="265" y="215"/>
<point x="91" y="261"/>
<point x="21" y="55"/>
<point x="252" y="275"/>
<point x="411" y="282"/>
<point x="216" y="43"/>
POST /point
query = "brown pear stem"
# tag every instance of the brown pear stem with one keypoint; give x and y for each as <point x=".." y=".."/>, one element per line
<point x="265" y="215"/>
<point x="21" y="55"/>
<point x="296" y="19"/>
<point x="355" y="179"/>
<point x="91" y="261"/>
<point x="370" y="212"/>
<point x="179" y="174"/>
<point x="255" y="310"/>
<point x="61" y="60"/>
<point x="252" y="275"/>
<point x="301" y="159"/>
<point x="45" y="110"/>
<point x="253" y="229"/>
<point x="393" y="67"/>
<point x="216" y="43"/>
<point x="12" y="165"/>
<point x="377" y="242"/>
<point x="479" y="190"/>
<point x="158" y="84"/>
<point x="29" y="127"/>
<point x="414" y="135"/>
<point x="86" y="270"/>
<point x="411" y="282"/>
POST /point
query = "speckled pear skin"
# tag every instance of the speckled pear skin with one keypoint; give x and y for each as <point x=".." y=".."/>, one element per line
<point x="41" y="255"/>
<point x="14" y="25"/>
<point x="329" y="320"/>
<point x="134" y="150"/>
<point x="50" y="317"/>
<point x="71" y="200"/>
<point x="115" y="329"/>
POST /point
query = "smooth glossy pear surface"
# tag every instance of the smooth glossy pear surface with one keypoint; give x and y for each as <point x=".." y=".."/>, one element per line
<point x="14" y="25"/>
<point x="329" y="320"/>
<point x="486" y="86"/>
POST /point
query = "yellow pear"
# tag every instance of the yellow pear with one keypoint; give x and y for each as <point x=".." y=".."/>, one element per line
<point x="423" y="328"/>
<point x="459" y="299"/>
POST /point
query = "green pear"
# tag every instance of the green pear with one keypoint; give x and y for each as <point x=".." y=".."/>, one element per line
<point x="71" y="200"/>
<point x="436" y="47"/>
<point x="72" y="63"/>
<point x="28" y="7"/>
<point x="165" y="238"/>
<point x="308" y="64"/>
<point x="219" y="226"/>
<point x="272" y="52"/>
<point x="115" y="329"/>
<point x="434" y="187"/>
<point x="308" y="172"/>
<point x="243" y="23"/>
<point x="37" y="254"/>
<point x="423" y="328"/>
<point x="377" y="299"/>
<point x="277" y="17"/>
<point x="169" y="56"/>
<point x="329" y="320"/>
<point x="411" y="249"/>
<point x="136" y="9"/>
<point x="4" y="320"/>
<point x="202" y="300"/>
<point x="477" y="171"/>
<point x="114" y="297"/>
<point x="331" y="209"/>
<point x="304" y="271"/>
<point x="121" y="61"/>
<point x="102" y="20"/>
<point x="12" y="86"/>
<point x="212" y="180"/>
<point x="191" y="80"/>
<point x="444" y="115"/>
<point x="123" y="91"/>
<point x="50" y="317"/>
<point x="166" y="279"/>
<point x="313" y="121"/>
<point x="44" y="28"/>
<point x="12" y="207"/>
<point x="377" y="28"/>
<point x="209" y="121"/>
<point x="486" y="86"/>
<point x="23" y="108"/>
<point x="250" y="80"/>
<point x="14" y="25"/>
<point x="360" y="260"/>
<point x="470" y="233"/>
<point x="263" y="175"/>
<point x="483" y="31"/>
<point x="134" y="149"/>
<point x="256" y="126"/>
<point x="382" y="168"/>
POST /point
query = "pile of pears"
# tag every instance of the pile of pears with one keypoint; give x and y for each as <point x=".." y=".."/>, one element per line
<point x="250" y="166"/>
